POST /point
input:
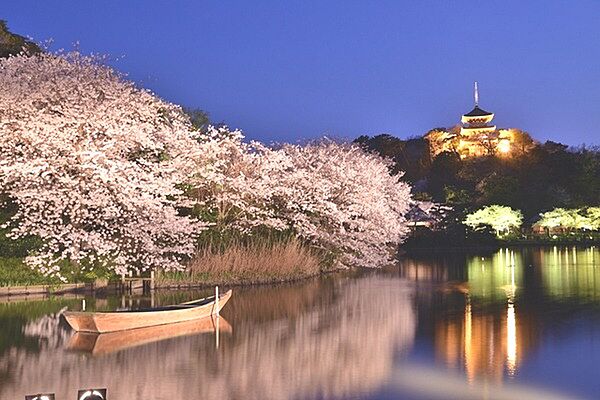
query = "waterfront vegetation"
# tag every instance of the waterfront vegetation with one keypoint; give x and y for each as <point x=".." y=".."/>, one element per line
<point x="100" y="178"/>
<point x="248" y="261"/>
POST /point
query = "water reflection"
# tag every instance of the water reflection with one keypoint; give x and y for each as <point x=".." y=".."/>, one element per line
<point x="512" y="324"/>
<point x="104" y="343"/>
<point x="327" y="338"/>
<point x="571" y="272"/>
<point x="485" y="345"/>
<point x="484" y="342"/>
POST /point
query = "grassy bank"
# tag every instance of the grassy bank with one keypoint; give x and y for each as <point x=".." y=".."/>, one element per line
<point x="248" y="262"/>
<point x="14" y="272"/>
<point x="229" y="258"/>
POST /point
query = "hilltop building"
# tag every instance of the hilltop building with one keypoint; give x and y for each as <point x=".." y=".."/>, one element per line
<point x="475" y="137"/>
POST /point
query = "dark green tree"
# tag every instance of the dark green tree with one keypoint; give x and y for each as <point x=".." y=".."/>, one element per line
<point x="13" y="44"/>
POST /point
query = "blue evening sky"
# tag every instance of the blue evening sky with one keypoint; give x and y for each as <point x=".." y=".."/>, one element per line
<point x="294" y="70"/>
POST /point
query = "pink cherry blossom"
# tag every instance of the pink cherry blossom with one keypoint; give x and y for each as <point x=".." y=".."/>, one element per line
<point x="92" y="162"/>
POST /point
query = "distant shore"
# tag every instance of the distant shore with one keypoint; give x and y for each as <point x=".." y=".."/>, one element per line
<point x="435" y="247"/>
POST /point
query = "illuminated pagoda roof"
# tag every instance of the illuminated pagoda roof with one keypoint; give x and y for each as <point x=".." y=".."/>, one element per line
<point x="477" y="120"/>
<point x="478" y="112"/>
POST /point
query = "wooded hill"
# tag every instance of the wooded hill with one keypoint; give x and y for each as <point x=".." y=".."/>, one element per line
<point x="547" y="176"/>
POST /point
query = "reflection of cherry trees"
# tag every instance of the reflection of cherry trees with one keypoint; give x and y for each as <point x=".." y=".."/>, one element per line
<point x="50" y="331"/>
<point x="343" y="345"/>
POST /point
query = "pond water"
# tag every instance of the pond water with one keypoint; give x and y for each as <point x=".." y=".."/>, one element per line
<point x="516" y="324"/>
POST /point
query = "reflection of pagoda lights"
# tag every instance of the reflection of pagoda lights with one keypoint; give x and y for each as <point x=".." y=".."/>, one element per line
<point x="469" y="367"/>
<point x="511" y="340"/>
<point x="511" y="325"/>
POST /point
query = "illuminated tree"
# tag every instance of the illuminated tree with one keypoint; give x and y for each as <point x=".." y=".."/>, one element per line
<point x="101" y="171"/>
<point x="92" y="162"/>
<point x="340" y="197"/>
<point x="499" y="218"/>
<point x="593" y="214"/>
<point x="557" y="218"/>
<point x="571" y="219"/>
<point x="335" y="196"/>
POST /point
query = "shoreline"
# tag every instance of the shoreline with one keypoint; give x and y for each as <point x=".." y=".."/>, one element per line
<point x="489" y="248"/>
<point x="45" y="291"/>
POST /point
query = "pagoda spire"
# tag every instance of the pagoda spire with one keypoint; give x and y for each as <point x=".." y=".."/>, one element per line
<point x="476" y="95"/>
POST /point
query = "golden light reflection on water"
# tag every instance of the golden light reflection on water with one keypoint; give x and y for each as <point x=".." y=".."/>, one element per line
<point x="490" y="339"/>
<point x="511" y="340"/>
<point x="486" y="346"/>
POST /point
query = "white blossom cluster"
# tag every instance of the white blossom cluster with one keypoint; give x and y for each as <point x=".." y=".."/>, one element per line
<point x="101" y="170"/>
<point x="335" y="196"/>
<point x="92" y="163"/>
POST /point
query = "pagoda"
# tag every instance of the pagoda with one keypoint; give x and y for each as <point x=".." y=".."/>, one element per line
<point x="474" y="137"/>
<point x="477" y="121"/>
<point x="477" y="135"/>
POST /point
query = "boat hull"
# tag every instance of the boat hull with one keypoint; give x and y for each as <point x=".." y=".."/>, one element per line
<point x="104" y="343"/>
<point x="102" y="322"/>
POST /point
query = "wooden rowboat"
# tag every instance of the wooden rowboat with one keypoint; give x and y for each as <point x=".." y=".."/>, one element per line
<point x="104" y="343"/>
<point x="101" y="322"/>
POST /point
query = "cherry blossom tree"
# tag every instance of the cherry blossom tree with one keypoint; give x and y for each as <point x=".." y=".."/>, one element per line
<point x="335" y="196"/>
<point x="571" y="219"/>
<point x="102" y="171"/>
<point x="235" y="182"/>
<point x="340" y="197"/>
<point x="93" y="163"/>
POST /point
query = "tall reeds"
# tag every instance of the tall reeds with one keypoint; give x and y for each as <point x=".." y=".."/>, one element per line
<point x="260" y="260"/>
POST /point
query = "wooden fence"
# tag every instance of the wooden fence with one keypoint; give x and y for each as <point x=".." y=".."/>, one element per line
<point x="43" y="289"/>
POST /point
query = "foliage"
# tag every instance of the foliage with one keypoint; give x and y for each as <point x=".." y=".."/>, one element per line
<point x="410" y="157"/>
<point x="571" y="219"/>
<point x="535" y="178"/>
<point x="12" y="44"/>
<point x="198" y="118"/>
<point x="15" y="272"/>
<point x="92" y="163"/>
<point x="500" y="218"/>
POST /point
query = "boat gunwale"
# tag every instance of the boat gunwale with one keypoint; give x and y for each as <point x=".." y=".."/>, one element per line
<point x="187" y="306"/>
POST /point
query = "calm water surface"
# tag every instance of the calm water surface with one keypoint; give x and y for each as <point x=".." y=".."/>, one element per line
<point x="516" y="324"/>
